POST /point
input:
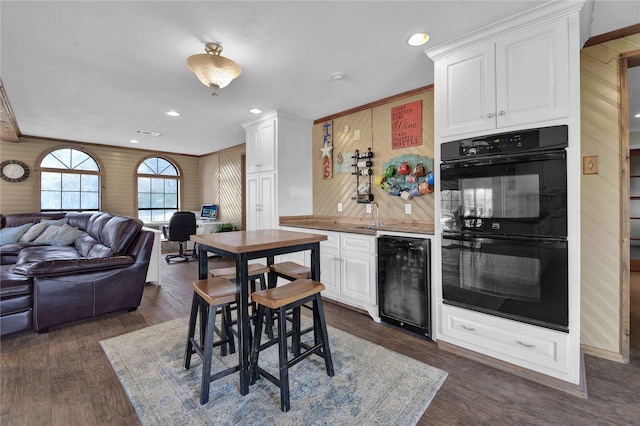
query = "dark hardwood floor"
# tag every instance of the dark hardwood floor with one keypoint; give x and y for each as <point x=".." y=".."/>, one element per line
<point x="64" y="378"/>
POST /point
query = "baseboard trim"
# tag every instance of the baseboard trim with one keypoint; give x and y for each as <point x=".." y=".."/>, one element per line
<point x="602" y="353"/>
<point x="579" y="391"/>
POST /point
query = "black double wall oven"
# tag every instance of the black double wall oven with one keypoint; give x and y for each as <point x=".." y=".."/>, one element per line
<point x="504" y="225"/>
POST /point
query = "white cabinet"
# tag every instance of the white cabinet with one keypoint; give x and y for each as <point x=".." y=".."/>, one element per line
<point x="348" y="269"/>
<point x="528" y="346"/>
<point x="261" y="146"/>
<point x="278" y="169"/>
<point x="517" y="79"/>
<point x="261" y="196"/>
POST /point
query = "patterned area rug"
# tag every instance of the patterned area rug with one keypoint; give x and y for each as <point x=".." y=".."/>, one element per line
<point x="372" y="385"/>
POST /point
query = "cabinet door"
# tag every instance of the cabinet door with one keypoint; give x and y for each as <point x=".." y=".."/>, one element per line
<point x="468" y="81"/>
<point x="268" y="206"/>
<point x="330" y="270"/>
<point x="253" y="154"/>
<point x="261" y="146"/>
<point x="532" y="75"/>
<point x="358" y="278"/>
<point x="253" y="201"/>
<point x="267" y="145"/>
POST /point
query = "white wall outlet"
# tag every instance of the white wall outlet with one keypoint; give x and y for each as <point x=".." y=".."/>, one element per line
<point x="346" y="128"/>
<point x="407" y="208"/>
<point x="368" y="208"/>
<point x="339" y="207"/>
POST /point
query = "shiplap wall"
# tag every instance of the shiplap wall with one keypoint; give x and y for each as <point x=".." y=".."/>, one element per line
<point x="375" y="131"/>
<point x="222" y="178"/>
<point x="118" y="183"/>
<point x="602" y="250"/>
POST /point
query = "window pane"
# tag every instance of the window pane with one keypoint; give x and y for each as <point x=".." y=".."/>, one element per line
<point x="171" y="185"/>
<point x="63" y="156"/>
<point x="77" y="157"/>
<point x="145" y="169"/>
<point x="70" y="182"/>
<point x="157" y="200"/>
<point x="90" y="201"/>
<point x="90" y="183"/>
<point x="157" y="186"/>
<point x="166" y="168"/>
<point x="50" y="161"/>
<point x="144" y="215"/>
<point x="144" y="201"/>
<point x="50" y="181"/>
<point x="158" y="216"/>
<point x="144" y="184"/>
<point x="50" y="200"/>
<point x="171" y="201"/>
<point x="71" y="200"/>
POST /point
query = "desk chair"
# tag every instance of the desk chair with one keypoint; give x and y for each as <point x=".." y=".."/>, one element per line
<point x="180" y="228"/>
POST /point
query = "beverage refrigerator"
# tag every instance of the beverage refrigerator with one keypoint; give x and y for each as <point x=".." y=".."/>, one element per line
<point x="404" y="283"/>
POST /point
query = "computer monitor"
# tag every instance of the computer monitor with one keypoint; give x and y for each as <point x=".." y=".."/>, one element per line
<point x="209" y="211"/>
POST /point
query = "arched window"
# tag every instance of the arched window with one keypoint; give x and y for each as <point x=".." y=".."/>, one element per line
<point x="158" y="183"/>
<point x="69" y="180"/>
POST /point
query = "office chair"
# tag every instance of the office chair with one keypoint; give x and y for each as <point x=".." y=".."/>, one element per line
<point x="181" y="226"/>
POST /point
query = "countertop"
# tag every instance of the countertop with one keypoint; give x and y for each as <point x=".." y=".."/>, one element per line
<point x="357" y="225"/>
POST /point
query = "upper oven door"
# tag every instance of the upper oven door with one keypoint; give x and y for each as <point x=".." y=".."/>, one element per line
<point x="524" y="195"/>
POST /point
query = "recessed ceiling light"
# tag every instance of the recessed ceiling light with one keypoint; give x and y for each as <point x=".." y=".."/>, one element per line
<point x="637" y="115"/>
<point x="255" y="110"/>
<point x="337" y="76"/>
<point x="133" y="141"/>
<point x="173" y="113"/>
<point x="418" y="39"/>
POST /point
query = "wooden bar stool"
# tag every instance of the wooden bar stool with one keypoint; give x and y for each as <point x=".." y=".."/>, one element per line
<point x="290" y="297"/>
<point x="209" y="296"/>
<point x="256" y="271"/>
<point x="291" y="270"/>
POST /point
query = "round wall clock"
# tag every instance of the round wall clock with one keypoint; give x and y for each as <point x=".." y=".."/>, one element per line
<point x="14" y="171"/>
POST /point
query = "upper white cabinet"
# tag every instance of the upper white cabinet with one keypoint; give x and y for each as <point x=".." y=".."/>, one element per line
<point x="519" y="78"/>
<point x="261" y="146"/>
<point x="278" y="169"/>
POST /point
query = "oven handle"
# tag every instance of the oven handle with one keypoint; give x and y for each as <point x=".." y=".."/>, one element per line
<point x="511" y="240"/>
<point x="504" y="159"/>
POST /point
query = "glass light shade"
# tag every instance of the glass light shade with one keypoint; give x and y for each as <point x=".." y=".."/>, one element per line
<point x="213" y="71"/>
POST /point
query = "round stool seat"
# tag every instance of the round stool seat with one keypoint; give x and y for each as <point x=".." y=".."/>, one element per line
<point x="292" y="270"/>
<point x="230" y="273"/>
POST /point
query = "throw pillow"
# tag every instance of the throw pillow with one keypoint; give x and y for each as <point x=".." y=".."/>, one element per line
<point x="34" y="232"/>
<point x="46" y="234"/>
<point x="65" y="236"/>
<point x="13" y="233"/>
<point x="54" y="222"/>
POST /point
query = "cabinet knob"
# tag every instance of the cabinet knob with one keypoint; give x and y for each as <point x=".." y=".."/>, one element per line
<point x="526" y="345"/>
<point x="502" y="113"/>
<point x="491" y="115"/>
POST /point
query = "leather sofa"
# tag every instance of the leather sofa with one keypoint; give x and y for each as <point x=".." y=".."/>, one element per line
<point x="103" y="271"/>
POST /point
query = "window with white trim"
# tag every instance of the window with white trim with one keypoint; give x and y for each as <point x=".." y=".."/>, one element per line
<point x="158" y="184"/>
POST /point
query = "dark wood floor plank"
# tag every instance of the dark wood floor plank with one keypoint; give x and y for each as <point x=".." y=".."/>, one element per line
<point x="64" y="377"/>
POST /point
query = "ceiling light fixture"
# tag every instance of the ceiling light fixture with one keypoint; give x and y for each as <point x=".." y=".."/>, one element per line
<point x="418" y="39"/>
<point x="133" y="141"/>
<point x="173" y="113"/>
<point x="337" y="76"/>
<point x="637" y="115"/>
<point x="212" y="69"/>
<point x="255" y="110"/>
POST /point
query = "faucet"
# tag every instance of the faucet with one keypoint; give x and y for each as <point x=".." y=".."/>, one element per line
<point x="377" y="221"/>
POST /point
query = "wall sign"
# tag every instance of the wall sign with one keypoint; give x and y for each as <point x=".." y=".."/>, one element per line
<point x="406" y="125"/>
<point x="327" y="148"/>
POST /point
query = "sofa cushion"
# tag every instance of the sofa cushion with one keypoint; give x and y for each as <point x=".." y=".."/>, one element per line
<point x="12" y="234"/>
<point x="65" y="236"/>
<point x="114" y="234"/>
<point x="42" y="253"/>
<point x="22" y="218"/>
<point x="42" y="238"/>
<point x="13" y="285"/>
<point x="33" y="232"/>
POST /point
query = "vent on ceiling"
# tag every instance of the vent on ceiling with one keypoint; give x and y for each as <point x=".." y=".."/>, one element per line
<point x="148" y="133"/>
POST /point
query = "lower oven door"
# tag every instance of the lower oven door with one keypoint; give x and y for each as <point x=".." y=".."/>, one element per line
<point x="521" y="279"/>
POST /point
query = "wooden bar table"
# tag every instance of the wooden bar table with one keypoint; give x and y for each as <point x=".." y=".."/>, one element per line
<point x="243" y="246"/>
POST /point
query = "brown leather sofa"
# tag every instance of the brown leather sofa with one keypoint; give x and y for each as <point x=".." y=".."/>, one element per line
<point x="104" y="271"/>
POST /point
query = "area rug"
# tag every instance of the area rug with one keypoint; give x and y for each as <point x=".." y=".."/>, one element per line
<point x="372" y="385"/>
